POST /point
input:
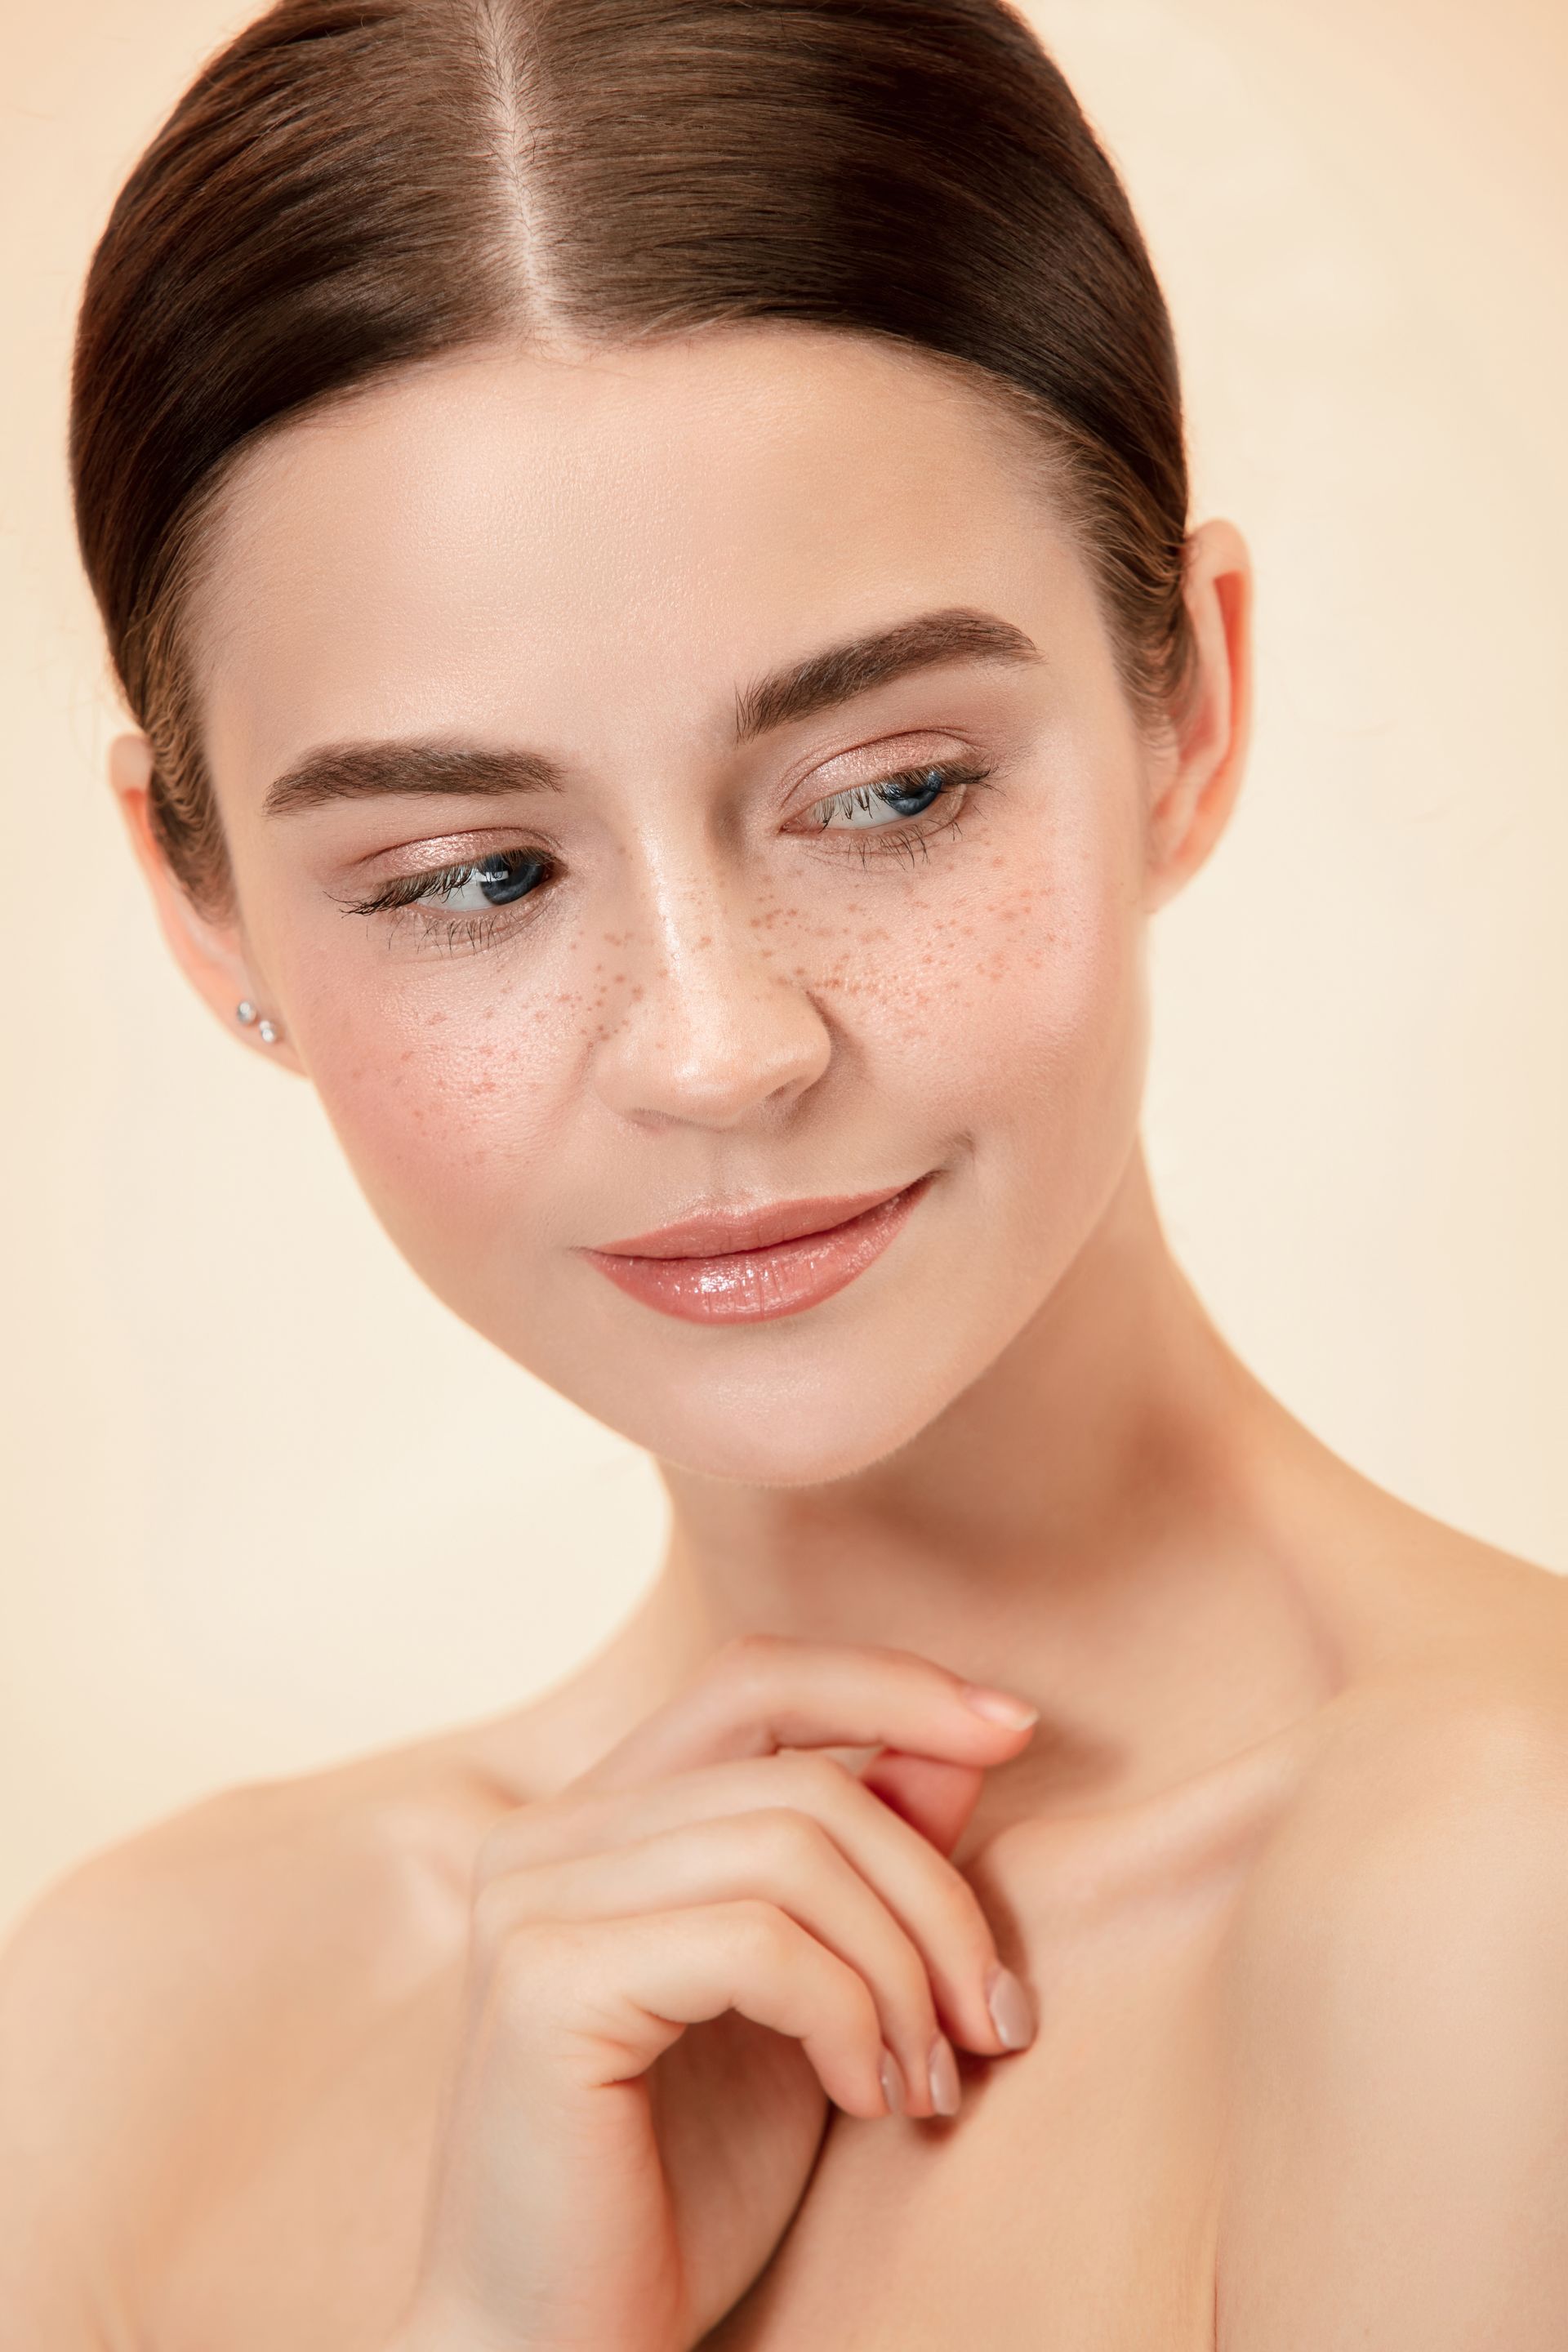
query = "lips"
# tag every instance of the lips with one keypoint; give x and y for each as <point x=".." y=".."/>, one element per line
<point x="753" y="1263"/>
<point x="721" y="1231"/>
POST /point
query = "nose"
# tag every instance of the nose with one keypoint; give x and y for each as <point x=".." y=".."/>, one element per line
<point x="710" y="1032"/>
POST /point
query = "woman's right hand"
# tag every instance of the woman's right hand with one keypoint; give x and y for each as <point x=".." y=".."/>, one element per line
<point x="676" y="1965"/>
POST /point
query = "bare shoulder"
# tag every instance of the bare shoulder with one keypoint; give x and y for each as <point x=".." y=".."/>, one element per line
<point x="1434" y="1793"/>
<point x="173" y="1986"/>
<point x="1398" y="2154"/>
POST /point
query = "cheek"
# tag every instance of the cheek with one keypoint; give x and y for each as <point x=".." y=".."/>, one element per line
<point x="445" y="1086"/>
<point x="1008" y="1004"/>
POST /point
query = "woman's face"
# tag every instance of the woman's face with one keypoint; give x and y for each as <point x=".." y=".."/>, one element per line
<point x="680" y="861"/>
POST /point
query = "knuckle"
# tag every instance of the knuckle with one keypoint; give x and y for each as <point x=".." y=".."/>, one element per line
<point x="761" y="1931"/>
<point x="787" y="1840"/>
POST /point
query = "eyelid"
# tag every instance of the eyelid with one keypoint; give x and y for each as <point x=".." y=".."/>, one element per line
<point x="464" y="847"/>
<point x="432" y="853"/>
<point x="427" y="885"/>
<point x="964" y="772"/>
<point x="881" y="757"/>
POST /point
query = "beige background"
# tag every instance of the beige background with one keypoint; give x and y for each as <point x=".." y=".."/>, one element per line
<point x="266" y="1503"/>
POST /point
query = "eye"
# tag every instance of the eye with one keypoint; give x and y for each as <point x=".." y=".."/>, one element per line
<point x="509" y="875"/>
<point x="892" y="802"/>
<point x="499" y="880"/>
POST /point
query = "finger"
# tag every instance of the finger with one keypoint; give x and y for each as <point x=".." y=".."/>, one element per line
<point x="766" y="1691"/>
<point x="776" y="1855"/>
<point x="933" y="1902"/>
<point x="604" y="1999"/>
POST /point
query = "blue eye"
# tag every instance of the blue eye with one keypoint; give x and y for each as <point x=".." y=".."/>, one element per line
<point x="914" y="798"/>
<point x="495" y="881"/>
<point x="874" y="807"/>
<point x="509" y="875"/>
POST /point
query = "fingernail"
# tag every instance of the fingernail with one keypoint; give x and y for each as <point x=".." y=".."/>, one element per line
<point x="941" y="2067"/>
<point x="1009" y="2007"/>
<point x="893" y="2082"/>
<point x="1000" y="1706"/>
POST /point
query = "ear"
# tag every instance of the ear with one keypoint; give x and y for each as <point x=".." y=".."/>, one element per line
<point x="1199" y="773"/>
<point x="211" y="954"/>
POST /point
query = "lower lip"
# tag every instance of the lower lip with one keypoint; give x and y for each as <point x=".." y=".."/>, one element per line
<point x="755" y="1286"/>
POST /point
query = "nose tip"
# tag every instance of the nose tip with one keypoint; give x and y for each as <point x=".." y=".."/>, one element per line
<point x="711" y="1042"/>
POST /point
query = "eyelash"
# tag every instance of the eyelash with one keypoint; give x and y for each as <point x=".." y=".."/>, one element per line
<point x="408" y="893"/>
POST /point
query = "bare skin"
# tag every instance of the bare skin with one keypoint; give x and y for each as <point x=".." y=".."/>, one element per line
<point x="513" y="2038"/>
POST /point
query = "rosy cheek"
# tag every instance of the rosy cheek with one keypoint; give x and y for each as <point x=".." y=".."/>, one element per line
<point x="434" y="1105"/>
<point x="1033" y="954"/>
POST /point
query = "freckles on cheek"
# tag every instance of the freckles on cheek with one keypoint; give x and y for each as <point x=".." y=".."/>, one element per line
<point x="1014" y="966"/>
<point x="429" y="1100"/>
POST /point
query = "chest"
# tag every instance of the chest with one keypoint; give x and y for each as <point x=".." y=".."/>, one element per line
<point x="1071" y="2206"/>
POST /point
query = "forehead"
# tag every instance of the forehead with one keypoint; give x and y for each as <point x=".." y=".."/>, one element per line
<point x="610" y="538"/>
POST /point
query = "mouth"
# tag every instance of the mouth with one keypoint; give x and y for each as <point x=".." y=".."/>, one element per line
<point x="750" y="1265"/>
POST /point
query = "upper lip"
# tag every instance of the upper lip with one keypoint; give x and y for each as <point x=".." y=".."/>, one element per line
<point x="748" y="1226"/>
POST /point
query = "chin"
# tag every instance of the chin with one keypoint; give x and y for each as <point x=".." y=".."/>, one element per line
<point x="782" y="1441"/>
<point x="800" y="1401"/>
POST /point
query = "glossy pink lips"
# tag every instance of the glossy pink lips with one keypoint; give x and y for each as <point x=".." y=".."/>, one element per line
<point x="748" y="1265"/>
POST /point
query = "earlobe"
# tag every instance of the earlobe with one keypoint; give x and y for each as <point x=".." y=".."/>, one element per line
<point x="1202" y="768"/>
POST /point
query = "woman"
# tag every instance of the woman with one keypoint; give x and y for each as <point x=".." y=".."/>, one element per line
<point x="646" y="542"/>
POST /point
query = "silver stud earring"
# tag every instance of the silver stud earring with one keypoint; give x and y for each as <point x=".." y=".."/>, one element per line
<point x="245" y="1013"/>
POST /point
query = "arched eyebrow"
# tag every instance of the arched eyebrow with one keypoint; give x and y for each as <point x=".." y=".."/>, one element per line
<point x="801" y="689"/>
<point x="823" y="680"/>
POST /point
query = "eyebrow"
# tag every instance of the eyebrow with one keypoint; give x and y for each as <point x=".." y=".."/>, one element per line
<point x="801" y="689"/>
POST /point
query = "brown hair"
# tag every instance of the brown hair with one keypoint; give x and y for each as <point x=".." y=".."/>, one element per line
<point x="353" y="187"/>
